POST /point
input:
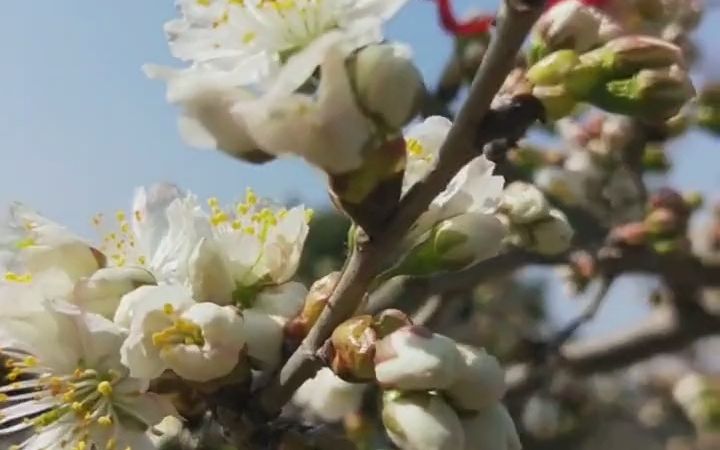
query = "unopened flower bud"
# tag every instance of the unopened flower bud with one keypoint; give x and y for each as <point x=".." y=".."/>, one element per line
<point x="492" y="428"/>
<point x="328" y="397"/>
<point x="480" y="383"/>
<point x="421" y="421"/>
<point x="468" y="238"/>
<point x="626" y="55"/>
<point x="694" y="200"/>
<point x="101" y="292"/>
<point x="264" y="336"/>
<point x="314" y="305"/>
<point x="551" y="236"/>
<point x="708" y="117"/>
<point x="572" y="25"/>
<point x="541" y="417"/>
<point x="413" y="358"/>
<point x="524" y="203"/>
<point x="353" y="345"/>
<point x="553" y="69"/>
<point x="389" y="321"/>
<point x="557" y="101"/>
<point x="654" y="159"/>
<point x="388" y="85"/>
<point x="653" y="94"/>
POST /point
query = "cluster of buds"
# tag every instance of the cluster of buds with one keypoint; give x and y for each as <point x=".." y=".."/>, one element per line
<point x="532" y="222"/>
<point x="699" y="397"/>
<point x="639" y="76"/>
<point x="665" y="226"/>
<point x="708" y="108"/>
<point x="440" y="395"/>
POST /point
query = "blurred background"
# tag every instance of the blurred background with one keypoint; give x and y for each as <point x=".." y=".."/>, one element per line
<point x="81" y="127"/>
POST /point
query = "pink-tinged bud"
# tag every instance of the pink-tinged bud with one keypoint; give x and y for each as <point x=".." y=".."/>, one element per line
<point x="670" y="199"/>
<point x="389" y="321"/>
<point x="571" y="25"/>
<point x="413" y="358"/>
<point x="652" y="94"/>
<point x="492" y="429"/>
<point x="626" y="55"/>
<point x="663" y="221"/>
<point x="557" y="101"/>
<point x="553" y="69"/>
<point x="634" y="234"/>
<point x="353" y="344"/>
<point x="314" y="305"/>
<point x="421" y="421"/>
<point x="480" y="383"/>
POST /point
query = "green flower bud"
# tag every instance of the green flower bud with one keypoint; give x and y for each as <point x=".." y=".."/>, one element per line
<point x="556" y="100"/>
<point x="554" y="68"/>
<point x="653" y="94"/>
<point x="387" y="83"/>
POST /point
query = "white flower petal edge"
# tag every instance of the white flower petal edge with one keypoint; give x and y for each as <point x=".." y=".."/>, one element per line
<point x="328" y="397"/>
<point x="168" y="330"/>
<point x="82" y="396"/>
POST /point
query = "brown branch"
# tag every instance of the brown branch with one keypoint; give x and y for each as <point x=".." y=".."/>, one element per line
<point x="369" y="254"/>
<point x="667" y="331"/>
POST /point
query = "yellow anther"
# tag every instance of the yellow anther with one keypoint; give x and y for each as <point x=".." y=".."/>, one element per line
<point x="249" y="230"/>
<point x="105" y="421"/>
<point x="204" y="2"/>
<point x="242" y="208"/>
<point x="13" y="277"/>
<point x="141" y="260"/>
<point x="236" y="225"/>
<point x="138" y="215"/>
<point x="125" y="228"/>
<point x="77" y="407"/>
<point x="105" y="388"/>
<point x="111" y="444"/>
<point x="213" y="202"/>
<point x="250" y="197"/>
<point x="81" y="445"/>
<point x="168" y="308"/>
<point x="14" y="374"/>
<point x="248" y="37"/>
<point x="69" y="396"/>
<point x="25" y="243"/>
<point x="219" y="217"/>
<point x="3" y="397"/>
<point x="30" y="361"/>
<point x="309" y="214"/>
<point x="415" y="148"/>
<point x="120" y="216"/>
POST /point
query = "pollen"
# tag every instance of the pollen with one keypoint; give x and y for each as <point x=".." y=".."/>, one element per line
<point x="25" y="243"/>
<point x="105" y="421"/>
<point x="415" y="149"/>
<point x="168" y="309"/>
<point x="105" y="388"/>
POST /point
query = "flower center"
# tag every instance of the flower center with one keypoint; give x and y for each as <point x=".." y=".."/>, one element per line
<point x="416" y="150"/>
<point x="86" y="396"/>
<point x="119" y="241"/>
<point x="182" y="331"/>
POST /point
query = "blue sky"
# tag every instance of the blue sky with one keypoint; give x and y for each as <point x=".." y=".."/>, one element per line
<point x="80" y="126"/>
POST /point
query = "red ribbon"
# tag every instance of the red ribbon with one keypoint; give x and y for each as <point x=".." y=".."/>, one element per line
<point x="481" y="24"/>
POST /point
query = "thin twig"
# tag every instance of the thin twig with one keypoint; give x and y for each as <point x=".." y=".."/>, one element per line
<point x="457" y="150"/>
<point x="588" y="313"/>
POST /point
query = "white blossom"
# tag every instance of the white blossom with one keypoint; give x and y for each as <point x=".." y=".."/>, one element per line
<point x="481" y="380"/>
<point x="413" y="358"/>
<point x="422" y="421"/>
<point x="473" y="190"/>
<point x="102" y="291"/>
<point x="80" y="396"/>
<point x="168" y="330"/>
<point x="468" y="238"/>
<point x="33" y="244"/>
<point x="224" y="34"/>
<point x="327" y="397"/>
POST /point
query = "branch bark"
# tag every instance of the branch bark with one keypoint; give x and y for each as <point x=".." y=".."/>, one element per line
<point x="370" y="252"/>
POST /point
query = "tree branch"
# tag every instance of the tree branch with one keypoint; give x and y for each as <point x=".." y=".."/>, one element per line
<point x="414" y="288"/>
<point x="370" y="252"/>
